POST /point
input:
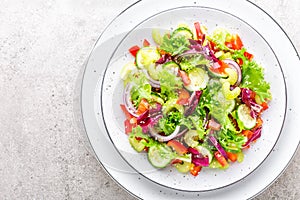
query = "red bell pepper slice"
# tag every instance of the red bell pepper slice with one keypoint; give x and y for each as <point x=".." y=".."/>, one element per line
<point x="248" y="55"/>
<point x="133" y="50"/>
<point x="235" y="42"/>
<point x="198" y="30"/>
<point x="195" y="169"/>
<point x="178" y="147"/>
<point x="232" y="156"/>
<point x="264" y="106"/>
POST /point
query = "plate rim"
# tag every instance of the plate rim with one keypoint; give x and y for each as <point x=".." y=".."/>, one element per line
<point x="248" y="25"/>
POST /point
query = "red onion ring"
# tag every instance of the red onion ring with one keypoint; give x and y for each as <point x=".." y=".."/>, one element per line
<point x="162" y="138"/>
<point x="127" y="101"/>
<point x="217" y="145"/>
<point x="237" y="68"/>
<point x="153" y="83"/>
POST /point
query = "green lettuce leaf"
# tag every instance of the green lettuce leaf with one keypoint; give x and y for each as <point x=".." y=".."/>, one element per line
<point x="169" y="83"/>
<point x="219" y="38"/>
<point x="174" y="45"/>
<point x="253" y="78"/>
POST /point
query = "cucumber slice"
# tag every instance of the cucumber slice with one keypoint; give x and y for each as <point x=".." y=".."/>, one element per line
<point x="154" y="71"/>
<point x="190" y="138"/>
<point x="243" y="114"/>
<point x="157" y="37"/>
<point x="171" y="105"/>
<point x="146" y="56"/>
<point x="136" y="144"/>
<point x="170" y="66"/>
<point x="183" y="31"/>
<point x="127" y="69"/>
<point x="183" y="167"/>
<point x="160" y="155"/>
<point x="227" y="104"/>
<point x="205" y="152"/>
<point x="199" y="79"/>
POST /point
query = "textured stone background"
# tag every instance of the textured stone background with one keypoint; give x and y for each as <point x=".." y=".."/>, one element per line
<point x="43" y="46"/>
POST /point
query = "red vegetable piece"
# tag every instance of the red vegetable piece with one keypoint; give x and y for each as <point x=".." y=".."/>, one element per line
<point x="248" y="55"/>
<point x="128" y="126"/>
<point x="127" y="114"/>
<point x="146" y="43"/>
<point x="232" y="156"/>
<point x="178" y="147"/>
<point x="235" y="42"/>
<point x="185" y="78"/>
<point x="195" y="170"/>
<point x="183" y="98"/>
<point x="198" y="30"/>
<point x="213" y="125"/>
<point x="221" y="159"/>
<point x="133" y="50"/>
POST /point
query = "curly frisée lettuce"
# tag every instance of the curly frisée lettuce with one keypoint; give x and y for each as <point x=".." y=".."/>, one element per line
<point x="197" y="102"/>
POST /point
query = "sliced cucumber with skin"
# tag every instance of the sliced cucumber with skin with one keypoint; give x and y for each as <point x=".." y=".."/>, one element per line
<point x="198" y="78"/>
<point x="170" y="105"/>
<point x="183" y="31"/>
<point x="160" y="155"/>
<point x="157" y="37"/>
<point x="183" y="167"/>
<point x="205" y="152"/>
<point x="127" y="69"/>
<point x="243" y="115"/>
<point x="190" y="138"/>
<point x="146" y="56"/>
<point x="154" y="71"/>
<point x="229" y="105"/>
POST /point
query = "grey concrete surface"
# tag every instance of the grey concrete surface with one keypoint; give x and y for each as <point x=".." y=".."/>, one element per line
<point x="43" y="46"/>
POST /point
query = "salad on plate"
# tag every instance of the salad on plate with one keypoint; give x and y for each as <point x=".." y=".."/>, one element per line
<point x="193" y="99"/>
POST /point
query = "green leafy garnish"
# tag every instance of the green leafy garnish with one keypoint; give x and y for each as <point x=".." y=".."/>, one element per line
<point x="174" y="45"/>
<point x="253" y="78"/>
<point x="169" y="83"/>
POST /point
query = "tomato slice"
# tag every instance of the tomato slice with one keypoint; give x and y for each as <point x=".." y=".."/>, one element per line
<point x="128" y="126"/>
<point x="183" y="98"/>
<point x="133" y="50"/>
<point x="178" y="147"/>
<point x="194" y="170"/>
<point x="185" y="78"/>
<point x="127" y="114"/>
<point x="146" y="43"/>
<point x="143" y="106"/>
<point x="221" y="159"/>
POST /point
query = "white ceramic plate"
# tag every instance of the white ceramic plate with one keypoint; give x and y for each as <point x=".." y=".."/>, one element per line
<point x="263" y="43"/>
<point x="112" y="90"/>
